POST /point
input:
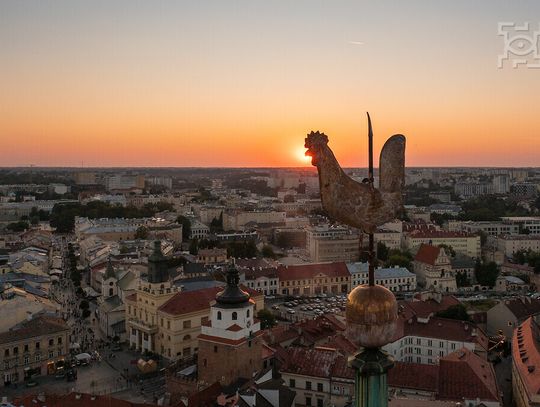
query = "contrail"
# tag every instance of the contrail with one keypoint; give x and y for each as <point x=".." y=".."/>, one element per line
<point x="356" y="42"/>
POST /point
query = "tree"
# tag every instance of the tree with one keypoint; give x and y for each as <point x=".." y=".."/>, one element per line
<point x="84" y="305"/>
<point x="267" y="251"/>
<point x="194" y="247"/>
<point x="20" y="226"/>
<point x="462" y="280"/>
<point x="487" y="273"/>
<point x="186" y="226"/>
<point x="267" y="318"/>
<point x="448" y="249"/>
<point x="141" y="232"/>
<point x="457" y="311"/>
<point x="86" y="313"/>
<point x="382" y="251"/>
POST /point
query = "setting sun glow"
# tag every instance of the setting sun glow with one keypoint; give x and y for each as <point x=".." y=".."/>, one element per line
<point x="301" y="156"/>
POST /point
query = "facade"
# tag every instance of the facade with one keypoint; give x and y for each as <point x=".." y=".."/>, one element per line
<point x="461" y="242"/>
<point x="142" y="306"/>
<point x="328" y="243"/>
<point x="396" y="279"/>
<point x="314" y="279"/>
<point x="514" y="243"/>
<point x="37" y="346"/>
<point x="427" y="340"/>
<point x="530" y="223"/>
<point x="230" y="344"/>
<point x="490" y="228"/>
<point x="526" y="364"/>
<point x="433" y="269"/>
<point x="508" y="314"/>
<point x="262" y="280"/>
<point x="198" y="230"/>
<point x="212" y="256"/>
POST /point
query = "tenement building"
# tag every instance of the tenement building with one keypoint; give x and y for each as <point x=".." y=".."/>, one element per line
<point x="35" y="347"/>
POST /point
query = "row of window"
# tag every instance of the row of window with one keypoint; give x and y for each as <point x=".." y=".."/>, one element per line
<point x="309" y="385"/>
<point x="26" y="347"/>
<point x="26" y="359"/>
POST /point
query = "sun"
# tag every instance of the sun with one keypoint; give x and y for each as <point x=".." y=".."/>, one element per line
<point x="300" y="154"/>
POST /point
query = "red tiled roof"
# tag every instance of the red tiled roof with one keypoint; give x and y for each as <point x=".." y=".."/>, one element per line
<point x="38" y="326"/>
<point x="426" y="308"/>
<point x="301" y="361"/>
<point x="131" y="297"/>
<point x="526" y="355"/>
<point x="523" y="307"/>
<point x="75" y="399"/>
<point x="466" y="374"/>
<point x="427" y="254"/>
<point x="186" y="302"/>
<point x="234" y="328"/>
<point x="414" y="376"/>
<point x="309" y="271"/>
<point x="442" y="328"/>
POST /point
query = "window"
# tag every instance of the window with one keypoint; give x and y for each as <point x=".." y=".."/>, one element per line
<point x="247" y="313"/>
<point x="292" y="383"/>
<point x="6" y="353"/>
<point x="187" y="324"/>
<point x="187" y="337"/>
<point x="319" y="403"/>
<point x="59" y="340"/>
<point x="204" y="320"/>
<point x="37" y="358"/>
<point x="37" y="345"/>
<point x="441" y="344"/>
<point x="168" y="324"/>
<point x="308" y="401"/>
<point x="219" y="315"/>
<point x="234" y="316"/>
<point x="215" y="349"/>
<point x="26" y="348"/>
<point x="51" y="342"/>
<point x="319" y="387"/>
<point x="26" y="359"/>
<point x="51" y="354"/>
<point x="453" y="346"/>
<point x="15" y="350"/>
<point x="308" y="385"/>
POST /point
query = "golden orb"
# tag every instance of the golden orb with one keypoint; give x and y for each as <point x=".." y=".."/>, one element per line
<point x="371" y="315"/>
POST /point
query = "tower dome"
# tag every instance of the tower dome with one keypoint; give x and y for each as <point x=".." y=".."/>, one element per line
<point x="232" y="295"/>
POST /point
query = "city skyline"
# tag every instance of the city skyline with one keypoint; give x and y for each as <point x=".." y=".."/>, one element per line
<point x="241" y="84"/>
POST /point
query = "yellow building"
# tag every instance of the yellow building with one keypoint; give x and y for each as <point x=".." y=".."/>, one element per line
<point x="36" y="347"/>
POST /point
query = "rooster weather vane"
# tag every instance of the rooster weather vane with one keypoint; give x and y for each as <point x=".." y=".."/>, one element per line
<point x="356" y="204"/>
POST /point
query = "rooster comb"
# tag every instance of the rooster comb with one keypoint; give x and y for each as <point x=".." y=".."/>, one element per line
<point x="316" y="137"/>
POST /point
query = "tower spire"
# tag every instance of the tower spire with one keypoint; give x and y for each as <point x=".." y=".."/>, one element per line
<point x="232" y="294"/>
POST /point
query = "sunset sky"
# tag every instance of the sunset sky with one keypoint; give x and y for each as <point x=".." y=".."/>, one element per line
<point x="240" y="83"/>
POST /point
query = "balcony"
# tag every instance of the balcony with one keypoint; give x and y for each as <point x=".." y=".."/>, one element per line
<point x="142" y="326"/>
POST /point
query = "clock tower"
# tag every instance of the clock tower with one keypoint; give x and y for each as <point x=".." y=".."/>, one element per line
<point x="230" y="343"/>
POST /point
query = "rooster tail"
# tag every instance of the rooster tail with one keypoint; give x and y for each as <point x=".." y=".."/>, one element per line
<point x="392" y="165"/>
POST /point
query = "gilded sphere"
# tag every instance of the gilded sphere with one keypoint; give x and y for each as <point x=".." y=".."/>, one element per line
<point x="371" y="315"/>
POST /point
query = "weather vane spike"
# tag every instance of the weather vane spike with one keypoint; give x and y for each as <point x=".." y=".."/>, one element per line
<point x="371" y="311"/>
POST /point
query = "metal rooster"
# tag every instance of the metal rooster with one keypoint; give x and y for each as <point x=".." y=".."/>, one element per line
<point x="360" y="205"/>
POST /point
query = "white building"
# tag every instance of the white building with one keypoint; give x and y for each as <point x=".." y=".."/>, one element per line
<point x="198" y="230"/>
<point x="510" y="244"/>
<point x="396" y="279"/>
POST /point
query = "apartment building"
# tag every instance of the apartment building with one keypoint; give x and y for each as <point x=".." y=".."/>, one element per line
<point x="314" y="279"/>
<point x="35" y="347"/>
<point x="510" y="244"/>
<point x="396" y="279"/>
<point x="332" y="243"/>
<point x="461" y="242"/>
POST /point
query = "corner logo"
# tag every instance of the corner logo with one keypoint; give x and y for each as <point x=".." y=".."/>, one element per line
<point x="521" y="46"/>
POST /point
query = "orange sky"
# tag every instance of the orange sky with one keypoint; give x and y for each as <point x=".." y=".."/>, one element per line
<point x="210" y="86"/>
